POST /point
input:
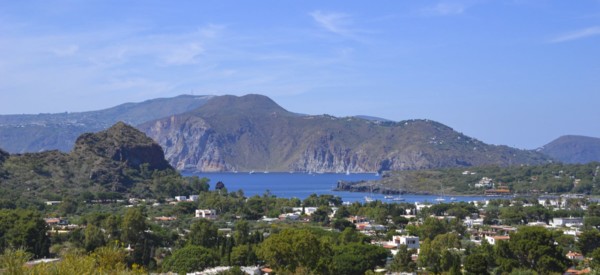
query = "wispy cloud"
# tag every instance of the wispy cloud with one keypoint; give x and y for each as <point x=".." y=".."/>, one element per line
<point x="580" y="34"/>
<point x="185" y="55"/>
<point x="334" y="22"/>
<point x="445" y="9"/>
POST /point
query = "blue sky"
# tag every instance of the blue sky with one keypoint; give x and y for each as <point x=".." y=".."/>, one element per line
<point x="515" y="72"/>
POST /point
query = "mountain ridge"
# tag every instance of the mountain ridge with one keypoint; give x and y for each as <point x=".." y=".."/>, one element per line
<point x="573" y="149"/>
<point x="40" y="132"/>
<point x="252" y="132"/>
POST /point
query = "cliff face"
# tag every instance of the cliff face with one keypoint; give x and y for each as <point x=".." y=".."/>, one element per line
<point x="253" y="133"/>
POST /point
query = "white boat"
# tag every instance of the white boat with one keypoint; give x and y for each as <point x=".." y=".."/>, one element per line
<point x="369" y="199"/>
<point x="389" y="197"/>
<point x="251" y="172"/>
<point x="440" y="199"/>
<point x="398" y="198"/>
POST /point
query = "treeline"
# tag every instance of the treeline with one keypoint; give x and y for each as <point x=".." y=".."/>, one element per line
<point x="525" y="179"/>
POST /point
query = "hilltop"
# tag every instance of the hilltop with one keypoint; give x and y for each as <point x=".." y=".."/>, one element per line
<point x="252" y="132"/>
<point x="573" y="149"/>
<point x="42" y="132"/>
<point x="109" y="164"/>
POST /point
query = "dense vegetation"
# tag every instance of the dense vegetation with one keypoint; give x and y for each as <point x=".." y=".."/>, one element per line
<point x="525" y="180"/>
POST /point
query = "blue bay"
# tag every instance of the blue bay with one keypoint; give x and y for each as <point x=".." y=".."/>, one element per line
<point x="301" y="185"/>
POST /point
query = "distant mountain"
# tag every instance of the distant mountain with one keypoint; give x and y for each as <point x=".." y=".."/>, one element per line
<point x="252" y="132"/>
<point x="34" y="133"/>
<point x="573" y="149"/>
<point x="114" y="160"/>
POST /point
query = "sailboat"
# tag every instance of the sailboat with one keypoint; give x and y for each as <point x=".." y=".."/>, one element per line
<point x="369" y="198"/>
<point x="441" y="198"/>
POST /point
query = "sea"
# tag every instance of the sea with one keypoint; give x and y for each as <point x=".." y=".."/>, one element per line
<point x="302" y="185"/>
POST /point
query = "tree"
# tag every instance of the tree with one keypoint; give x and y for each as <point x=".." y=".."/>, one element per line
<point x="190" y="258"/>
<point x="589" y="240"/>
<point x="533" y="247"/>
<point x="94" y="237"/>
<point x="26" y="229"/>
<point x="243" y="255"/>
<point x="595" y="264"/>
<point x="403" y="262"/>
<point x="203" y="233"/>
<point x="476" y="264"/>
<point x="133" y="225"/>
<point x="440" y="254"/>
<point x="356" y="258"/>
<point x="241" y="234"/>
<point x="432" y="227"/>
<point x="291" y="249"/>
<point x="321" y="215"/>
<point x="12" y="261"/>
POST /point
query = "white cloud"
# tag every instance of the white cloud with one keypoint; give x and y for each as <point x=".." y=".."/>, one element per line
<point x="580" y="34"/>
<point x="444" y="9"/>
<point x="334" y="22"/>
<point x="184" y="55"/>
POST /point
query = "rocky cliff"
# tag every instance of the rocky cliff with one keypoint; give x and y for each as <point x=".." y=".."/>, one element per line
<point x="253" y="133"/>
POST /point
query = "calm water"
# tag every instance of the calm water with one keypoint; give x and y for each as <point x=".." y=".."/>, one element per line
<point x="301" y="185"/>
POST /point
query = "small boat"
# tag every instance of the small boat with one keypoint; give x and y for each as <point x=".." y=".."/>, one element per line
<point x="398" y="198"/>
<point x="389" y="197"/>
<point x="369" y="199"/>
<point x="251" y="172"/>
<point x="440" y="199"/>
<point x="453" y="199"/>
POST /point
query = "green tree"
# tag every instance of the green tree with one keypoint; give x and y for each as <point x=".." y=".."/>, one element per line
<point x="440" y="254"/>
<point x="321" y="215"/>
<point x="476" y="264"/>
<point x="133" y="225"/>
<point x="291" y="249"/>
<point x="190" y="258"/>
<point x="402" y="261"/>
<point x="356" y="258"/>
<point x="26" y="229"/>
<point x="94" y="237"/>
<point x="589" y="240"/>
<point x="241" y="233"/>
<point x="431" y="227"/>
<point x="203" y="233"/>
<point x="533" y="248"/>
<point x="243" y="255"/>
<point x="12" y="261"/>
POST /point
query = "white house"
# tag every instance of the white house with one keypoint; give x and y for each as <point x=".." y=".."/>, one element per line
<point x="181" y="198"/>
<point x="412" y="242"/>
<point x="484" y="182"/>
<point x="494" y="239"/>
<point x="206" y="213"/>
<point x="571" y="221"/>
<point x="193" y="197"/>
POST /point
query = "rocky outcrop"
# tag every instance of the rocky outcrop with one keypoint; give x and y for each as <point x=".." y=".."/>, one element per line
<point x="123" y="144"/>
